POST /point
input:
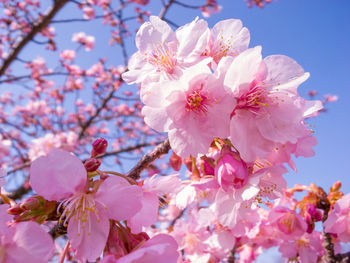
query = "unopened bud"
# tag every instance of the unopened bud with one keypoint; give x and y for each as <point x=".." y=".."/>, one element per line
<point x="15" y="210"/>
<point x="99" y="147"/>
<point x="336" y="186"/>
<point x="30" y="204"/>
<point x="188" y="163"/>
<point x="207" y="165"/>
<point x="175" y="162"/>
<point x="92" y="164"/>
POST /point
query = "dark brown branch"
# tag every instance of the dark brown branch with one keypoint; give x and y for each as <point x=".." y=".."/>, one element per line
<point x="147" y="159"/>
<point x="129" y="149"/>
<point x="231" y="257"/>
<point x="327" y="243"/>
<point x="165" y="9"/>
<point x="37" y="27"/>
<point x="58" y="230"/>
<point x="343" y="258"/>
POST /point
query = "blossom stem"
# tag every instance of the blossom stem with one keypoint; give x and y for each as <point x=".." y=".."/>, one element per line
<point x="64" y="252"/>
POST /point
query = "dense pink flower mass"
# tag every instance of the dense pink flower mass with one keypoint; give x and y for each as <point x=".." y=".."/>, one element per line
<point x="233" y="120"/>
<point x="86" y="212"/>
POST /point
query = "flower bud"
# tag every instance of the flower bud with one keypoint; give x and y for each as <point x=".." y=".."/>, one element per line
<point x="336" y="186"/>
<point x="206" y="165"/>
<point x="188" y="163"/>
<point x="92" y="164"/>
<point x="31" y="203"/>
<point x="15" y="210"/>
<point x="175" y="162"/>
<point x="231" y="171"/>
<point x="99" y="147"/>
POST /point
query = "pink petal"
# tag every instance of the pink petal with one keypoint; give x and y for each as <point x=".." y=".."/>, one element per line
<point x="89" y="241"/>
<point x="282" y="68"/>
<point x="32" y="244"/>
<point x="243" y="71"/>
<point x="57" y="175"/>
<point x="147" y="215"/>
<point x="121" y="199"/>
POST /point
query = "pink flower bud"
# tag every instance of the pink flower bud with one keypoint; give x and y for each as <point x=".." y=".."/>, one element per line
<point x="206" y="165"/>
<point x="231" y="171"/>
<point x="188" y="163"/>
<point x="175" y="162"/>
<point x="99" y="147"/>
<point x="92" y="164"/>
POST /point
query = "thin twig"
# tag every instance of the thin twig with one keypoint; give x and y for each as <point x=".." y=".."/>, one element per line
<point x="37" y="27"/>
<point x="165" y="9"/>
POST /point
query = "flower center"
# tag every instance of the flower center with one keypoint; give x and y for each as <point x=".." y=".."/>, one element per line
<point x="301" y="243"/>
<point x="198" y="102"/>
<point x="287" y="223"/>
<point x="80" y="207"/>
<point x="163" y="57"/>
<point x="219" y="49"/>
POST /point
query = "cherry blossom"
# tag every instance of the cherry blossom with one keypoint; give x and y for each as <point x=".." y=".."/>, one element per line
<point x="266" y="94"/>
<point x="163" y="53"/>
<point x="86" y="212"/>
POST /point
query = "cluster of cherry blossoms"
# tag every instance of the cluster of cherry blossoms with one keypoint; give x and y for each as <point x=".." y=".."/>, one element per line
<point x="232" y="117"/>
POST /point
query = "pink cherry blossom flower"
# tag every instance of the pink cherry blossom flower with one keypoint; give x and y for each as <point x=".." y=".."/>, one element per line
<point x="87" y="41"/>
<point x="43" y="145"/>
<point x="269" y="109"/>
<point x="23" y="242"/>
<point x="60" y="176"/>
<point x="288" y="222"/>
<point x="89" y="12"/>
<point x="210" y="7"/>
<point x="338" y="221"/>
<point x="308" y="248"/>
<point x="163" y="53"/>
<point x="68" y="54"/>
<point x="234" y="204"/>
<point x="187" y="107"/>
<point x="191" y="235"/>
<point x="227" y="38"/>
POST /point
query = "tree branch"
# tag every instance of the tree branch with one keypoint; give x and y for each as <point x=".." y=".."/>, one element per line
<point x="147" y="159"/>
<point x="37" y="27"/>
<point x="165" y="9"/>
